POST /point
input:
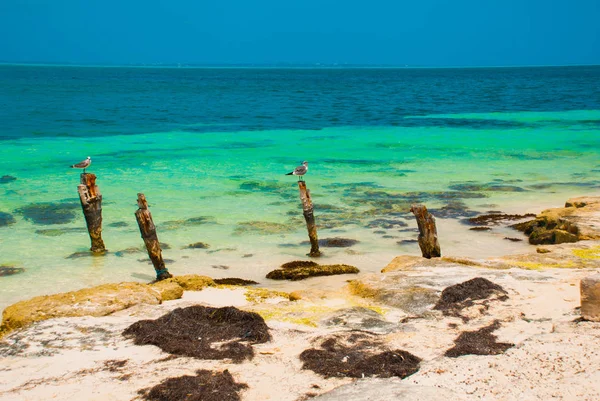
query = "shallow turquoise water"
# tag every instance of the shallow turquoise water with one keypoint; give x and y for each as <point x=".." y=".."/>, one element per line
<point x="225" y="185"/>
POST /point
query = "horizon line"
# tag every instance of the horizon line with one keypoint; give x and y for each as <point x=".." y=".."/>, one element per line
<point x="280" y="65"/>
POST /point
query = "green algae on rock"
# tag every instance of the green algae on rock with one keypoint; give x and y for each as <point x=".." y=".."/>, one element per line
<point x="304" y="272"/>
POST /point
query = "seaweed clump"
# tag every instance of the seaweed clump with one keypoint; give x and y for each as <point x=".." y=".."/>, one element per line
<point x="47" y="213"/>
<point x="300" y="270"/>
<point x="195" y="330"/>
<point x="479" y="342"/>
<point x="354" y="354"/>
<point x="460" y="296"/>
<point x="205" y="386"/>
<point x="10" y="270"/>
<point x="234" y="281"/>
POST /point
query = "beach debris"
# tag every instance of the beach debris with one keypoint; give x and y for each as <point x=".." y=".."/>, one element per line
<point x="463" y="295"/>
<point x="203" y="332"/>
<point x="148" y="231"/>
<point x="205" y="386"/>
<point x="358" y="354"/>
<point x="428" y="239"/>
<point x="307" y="209"/>
<point x="335" y="242"/>
<point x="6" y="270"/>
<point x="91" y="203"/>
<point x="5" y="179"/>
<point x="590" y="298"/>
<point x="234" y="281"/>
<point x="478" y="342"/>
<point x="6" y="219"/>
<point x="47" y="213"/>
<point x="300" y="270"/>
<point x="197" y="245"/>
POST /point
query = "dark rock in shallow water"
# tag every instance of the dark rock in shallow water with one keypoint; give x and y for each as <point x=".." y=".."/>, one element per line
<point x="513" y="239"/>
<point x="549" y="237"/>
<point x="10" y="270"/>
<point x="495" y="218"/>
<point x="6" y="219"/>
<point x="55" y="232"/>
<point x="386" y="223"/>
<point x="118" y="224"/>
<point x="222" y="267"/>
<point x="129" y="251"/>
<point x="453" y="210"/>
<point x="7" y="178"/>
<point x="336" y="242"/>
<point x="205" y="386"/>
<point x="356" y="354"/>
<point x="479" y="342"/>
<point x="197" y="245"/>
<point x="549" y="229"/>
<point x="164" y="245"/>
<point x="85" y="254"/>
<point x="493" y="187"/>
<point x="305" y="271"/>
<point x="191" y="222"/>
<point x="407" y="241"/>
<point x="195" y="332"/>
<point x="49" y="213"/>
<point x="148" y="261"/>
<point x="480" y="228"/>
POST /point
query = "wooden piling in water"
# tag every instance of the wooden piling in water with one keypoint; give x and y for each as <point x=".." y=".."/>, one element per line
<point x="309" y="216"/>
<point x="428" y="239"/>
<point x="91" y="203"/>
<point x="148" y="231"/>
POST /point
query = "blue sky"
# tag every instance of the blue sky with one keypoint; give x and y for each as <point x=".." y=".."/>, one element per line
<point x="416" y="32"/>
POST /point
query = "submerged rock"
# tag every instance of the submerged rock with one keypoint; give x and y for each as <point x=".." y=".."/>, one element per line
<point x="5" y="179"/>
<point x="191" y="222"/>
<point x="356" y="354"/>
<point x="49" y="213"/>
<point x="335" y="242"/>
<point x="301" y="272"/>
<point x="262" y="228"/>
<point x="10" y="270"/>
<point x="118" y="224"/>
<point x="205" y="386"/>
<point x="6" y="219"/>
<point x="195" y="332"/>
<point x="55" y="232"/>
<point x="197" y="245"/>
<point x="495" y="218"/>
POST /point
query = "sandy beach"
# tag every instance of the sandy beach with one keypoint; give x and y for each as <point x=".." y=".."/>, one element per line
<point x="527" y="340"/>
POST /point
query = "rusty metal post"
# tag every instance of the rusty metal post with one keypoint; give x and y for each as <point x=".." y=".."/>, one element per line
<point x="91" y="203"/>
<point x="428" y="239"/>
<point x="148" y="231"/>
<point x="309" y="216"/>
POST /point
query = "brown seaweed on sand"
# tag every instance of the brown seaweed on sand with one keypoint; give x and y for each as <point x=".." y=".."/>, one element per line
<point x="193" y="332"/>
<point x="357" y="354"/>
<point x="479" y="342"/>
<point x="205" y="386"/>
<point x="460" y="296"/>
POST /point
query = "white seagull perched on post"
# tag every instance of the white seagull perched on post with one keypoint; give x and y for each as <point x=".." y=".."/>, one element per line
<point x="83" y="164"/>
<point x="300" y="170"/>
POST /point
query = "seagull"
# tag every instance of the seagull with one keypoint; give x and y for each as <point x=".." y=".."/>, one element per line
<point x="300" y="170"/>
<point x="83" y="164"/>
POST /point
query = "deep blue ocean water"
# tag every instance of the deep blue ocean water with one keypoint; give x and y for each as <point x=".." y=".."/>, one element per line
<point x="210" y="148"/>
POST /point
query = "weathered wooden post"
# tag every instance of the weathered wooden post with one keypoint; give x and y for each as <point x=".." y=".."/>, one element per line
<point x="91" y="203"/>
<point x="428" y="240"/>
<point x="148" y="231"/>
<point x="309" y="216"/>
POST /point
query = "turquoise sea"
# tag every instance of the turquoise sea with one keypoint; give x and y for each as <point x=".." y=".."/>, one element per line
<point x="209" y="147"/>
